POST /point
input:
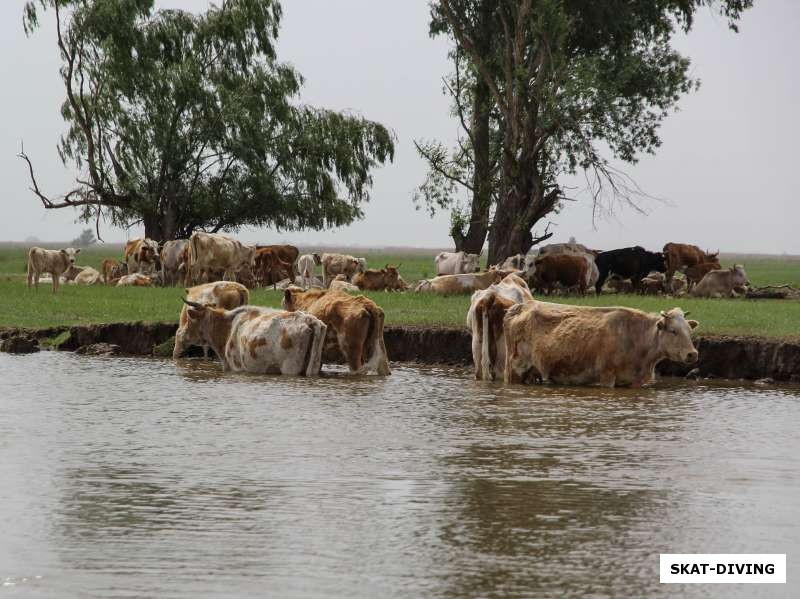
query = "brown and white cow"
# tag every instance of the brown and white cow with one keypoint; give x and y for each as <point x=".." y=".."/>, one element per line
<point x="456" y="263"/>
<point x="54" y="262"/>
<point x="577" y="345"/>
<point x="386" y="279"/>
<point x="679" y="255"/>
<point x="306" y="265"/>
<point x="722" y="283"/>
<point x="269" y="267"/>
<point x="568" y="270"/>
<point x="215" y="252"/>
<point x="261" y="340"/>
<point x="355" y="325"/>
<point x="112" y="269"/>
<point x="172" y="257"/>
<point x="464" y="283"/>
<point x="340" y="264"/>
<point x="221" y="294"/>
<point x="485" y="321"/>
<point x="137" y="279"/>
<point x="141" y="255"/>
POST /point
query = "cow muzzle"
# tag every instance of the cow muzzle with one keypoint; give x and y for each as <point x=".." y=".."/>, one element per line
<point x="692" y="357"/>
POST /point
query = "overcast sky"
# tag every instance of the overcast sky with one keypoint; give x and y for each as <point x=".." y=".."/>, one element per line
<point x="727" y="165"/>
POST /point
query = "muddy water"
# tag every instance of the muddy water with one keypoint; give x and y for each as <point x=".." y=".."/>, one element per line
<point x="140" y="478"/>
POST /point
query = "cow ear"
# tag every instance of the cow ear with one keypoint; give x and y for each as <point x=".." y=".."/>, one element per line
<point x="287" y="296"/>
<point x="661" y="324"/>
<point x="195" y="313"/>
<point x="64" y="252"/>
<point x="692" y="324"/>
<point x="78" y="251"/>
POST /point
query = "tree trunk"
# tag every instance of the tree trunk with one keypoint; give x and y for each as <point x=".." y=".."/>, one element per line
<point x="152" y="226"/>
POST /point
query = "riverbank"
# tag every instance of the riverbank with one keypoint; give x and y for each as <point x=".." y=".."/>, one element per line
<point x="731" y="357"/>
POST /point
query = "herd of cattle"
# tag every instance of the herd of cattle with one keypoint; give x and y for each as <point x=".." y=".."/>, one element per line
<point x="514" y="337"/>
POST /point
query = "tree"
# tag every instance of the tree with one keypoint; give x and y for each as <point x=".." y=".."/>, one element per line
<point x="184" y="122"/>
<point x="85" y="239"/>
<point x="575" y="83"/>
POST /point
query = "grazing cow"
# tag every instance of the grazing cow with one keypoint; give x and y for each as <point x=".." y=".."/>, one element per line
<point x="172" y="257"/>
<point x="141" y="255"/>
<point x="570" y="271"/>
<point x="633" y="263"/>
<point x="87" y="276"/>
<point x="210" y="252"/>
<point x="456" y="263"/>
<point x="485" y="320"/>
<point x="385" y="279"/>
<point x="306" y="265"/>
<point x="355" y="325"/>
<point x="112" y="269"/>
<point x="222" y="294"/>
<point x="261" y="340"/>
<point x="576" y="345"/>
<point x="286" y="253"/>
<point x="269" y="267"/>
<point x="694" y="274"/>
<point x="136" y="279"/>
<point x="722" y="283"/>
<point x="678" y="255"/>
<point x="342" y="284"/>
<point x="463" y="283"/>
<point x="54" y="262"/>
<point x="340" y="264"/>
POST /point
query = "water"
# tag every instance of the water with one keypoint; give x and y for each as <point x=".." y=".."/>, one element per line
<point x="140" y="478"/>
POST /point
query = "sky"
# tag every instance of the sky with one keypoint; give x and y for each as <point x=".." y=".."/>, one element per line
<point x="724" y="171"/>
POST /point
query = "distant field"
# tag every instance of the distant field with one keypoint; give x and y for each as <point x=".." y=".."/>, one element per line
<point x="73" y="305"/>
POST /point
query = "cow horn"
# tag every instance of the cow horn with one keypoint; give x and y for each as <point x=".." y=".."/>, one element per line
<point x="193" y="304"/>
<point x="685" y="314"/>
<point x="664" y="314"/>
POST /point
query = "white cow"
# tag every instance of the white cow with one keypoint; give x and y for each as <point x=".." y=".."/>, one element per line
<point x="305" y="266"/>
<point x="172" y="259"/>
<point x="210" y="252"/>
<point x="456" y="263"/>
<point x="54" y="262"/>
<point x="464" y="283"/>
<point x="724" y="282"/>
<point x="262" y="340"/>
<point x="87" y="276"/>
<point x="340" y="264"/>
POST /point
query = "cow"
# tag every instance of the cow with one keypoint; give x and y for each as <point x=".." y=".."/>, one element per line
<point x="619" y="285"/>
<point x="385" y="279"/>
<point x="341" y="283"/>
<point x="577" y="345"/>
<point x="463" y="283"/>
<point x="54" y="262"/>
<point x="678" y="255"/>
<point x="722" y="283"/>
<point x="112" y="269"/>
<point x="136" y="279"/>
<point x="652" y="284"/>
<point x="515" y="262"/>
<point x="141" y="255"/>
<point x="269" y="267"/>
<point x="87" y="276"/>
<point x="694" y="274"/>
<point x="633" y="263"/>
<point x="286" y="253"/>
<point x="261" y="340"/>
<point x="172" y="257"/>
<point x="221" y="294"/>
<point x="355" y="325"/>
<point x="210" y="252"/>
<point x="340" y="264"/>
<point x="562" y="248"/>
<point x="456" y="263"/>
<point x="306" y="265"/>
<point x="485" y="321"/>
<point x="568" y="270"/>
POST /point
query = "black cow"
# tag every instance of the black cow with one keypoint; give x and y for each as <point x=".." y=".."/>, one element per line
<point x="629" y="263"/>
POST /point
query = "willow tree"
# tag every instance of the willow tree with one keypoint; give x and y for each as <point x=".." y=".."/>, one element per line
<point x="184" y="121"/>
<point x="576" y="84"/>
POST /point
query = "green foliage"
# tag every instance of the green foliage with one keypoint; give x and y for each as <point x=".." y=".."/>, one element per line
<point x="85" y="239"/>
<point x="188" y="122"/>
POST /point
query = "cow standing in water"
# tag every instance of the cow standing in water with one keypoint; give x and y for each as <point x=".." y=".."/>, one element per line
<point x="54" y="262"/>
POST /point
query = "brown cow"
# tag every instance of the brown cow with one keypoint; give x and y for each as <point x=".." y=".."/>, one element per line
<point x="355" y="325"/>
<point x="269" y="267"/>
<point x="694" y="274"/>
<point x="568" y="270"/>
<point x="385" y="279"/>
<point x="112" y="269"/>
<point x="286" y="253"/>
<point x="677" y="255"/>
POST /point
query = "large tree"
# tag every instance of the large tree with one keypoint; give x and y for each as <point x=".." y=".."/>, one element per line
<point x="575" y="84"/>
<point x="183" y="122"/>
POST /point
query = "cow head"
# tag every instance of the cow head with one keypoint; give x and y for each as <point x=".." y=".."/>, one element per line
<point x="471" y="262"/>
<point x="70" y="253"/>
<point x="739" y="276"/>
<point x="674" y="335"/>
<point x="655" y="262"/>
<point x="317" y="259"/>
<point x="361" y="264"/>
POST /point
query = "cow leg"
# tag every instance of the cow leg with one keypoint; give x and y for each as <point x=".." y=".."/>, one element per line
<point x="55" y="282"/>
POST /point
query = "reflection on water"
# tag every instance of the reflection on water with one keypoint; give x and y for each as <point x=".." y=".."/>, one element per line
<point x="133" y="478"/>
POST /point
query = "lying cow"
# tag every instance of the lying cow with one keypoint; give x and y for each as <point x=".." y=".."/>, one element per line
<point x="306" y="265"/>
<point x="694" y="274"/>
<point x="136" y="279"/>
<point x="575" y="345"/>
<point x="112" y="269"/>
<point x="341" y="283"/>
<point x="261" y="340"/>
<point x="653" y="284"/>
<point x="87" y="276"/>
<point x="221" y="294"/>
<point x="385" y="279"/>
<point x="53" y="262"/>
<point x="340" y="264"/>
<point x="680" y="255"/>
<point x="722" y="283"/>
<point x="485" y="321"/>
<point x="141" y="255"/>
<point x="456" y="263"/>
<point x="355" y="325"/>
<point x="463" y="283"/>
<point x="172" y="261"/>
<point x="515" y="262"/>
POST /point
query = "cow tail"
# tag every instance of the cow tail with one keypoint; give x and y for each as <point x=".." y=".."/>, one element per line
<point x="31" y="267"/>
<point x="191" y="260"/>
<point x="487" y="368"/>
<point x="378" y="360"/>
<point x="318" y="332"/>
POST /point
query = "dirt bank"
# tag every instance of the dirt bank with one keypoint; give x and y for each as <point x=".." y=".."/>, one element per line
<point x="720" y="356"/>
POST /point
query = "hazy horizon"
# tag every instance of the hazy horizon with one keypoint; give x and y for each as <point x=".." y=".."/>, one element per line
<point x="727" y="152"/>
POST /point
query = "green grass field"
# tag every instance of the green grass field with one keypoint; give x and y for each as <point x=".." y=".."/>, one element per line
<point x="97" y="304"/>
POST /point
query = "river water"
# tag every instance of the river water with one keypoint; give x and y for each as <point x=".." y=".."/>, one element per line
<point x="142" y="478"/>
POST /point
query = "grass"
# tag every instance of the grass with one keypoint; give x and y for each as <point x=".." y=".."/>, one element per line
<point x="98" y="304"/>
